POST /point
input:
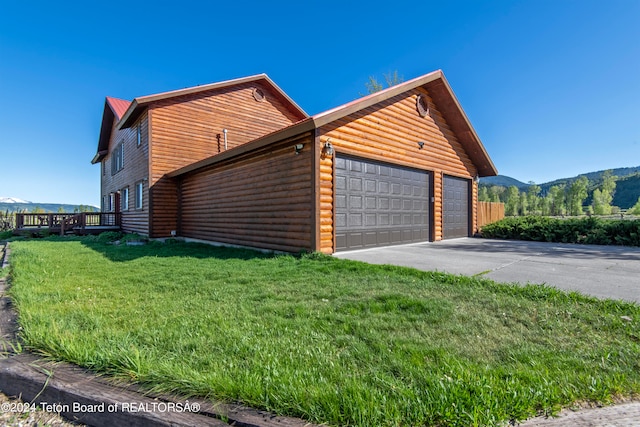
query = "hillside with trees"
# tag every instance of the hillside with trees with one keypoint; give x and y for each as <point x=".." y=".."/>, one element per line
<point x="598" y="193"/>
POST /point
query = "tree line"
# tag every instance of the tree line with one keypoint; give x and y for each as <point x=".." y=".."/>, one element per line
<point x="559" y="200"/>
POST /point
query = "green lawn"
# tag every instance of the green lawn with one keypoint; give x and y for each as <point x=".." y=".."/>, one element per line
<point x="328" y="340"/>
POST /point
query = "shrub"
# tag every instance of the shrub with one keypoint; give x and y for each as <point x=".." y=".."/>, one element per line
<point x="575" y="230"/>
<point x="109" y="236"/>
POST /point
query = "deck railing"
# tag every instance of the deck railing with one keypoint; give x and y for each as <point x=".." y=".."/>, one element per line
<point x="67" y="221"/>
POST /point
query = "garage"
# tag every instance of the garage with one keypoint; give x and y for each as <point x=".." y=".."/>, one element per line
<point x="455" y="207"/>
<point x="378" y="204"/>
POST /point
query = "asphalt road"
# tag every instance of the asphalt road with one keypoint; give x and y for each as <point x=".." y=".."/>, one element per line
<point x="601" y="271"/>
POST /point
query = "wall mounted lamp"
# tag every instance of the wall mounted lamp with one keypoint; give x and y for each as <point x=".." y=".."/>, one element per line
<point x="328" y="148"/>
<point x="298" y="148"/>
<point x="420" y="145"/>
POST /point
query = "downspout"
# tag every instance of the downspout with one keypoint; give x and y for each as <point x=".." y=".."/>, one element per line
<point x="224" y="131"/>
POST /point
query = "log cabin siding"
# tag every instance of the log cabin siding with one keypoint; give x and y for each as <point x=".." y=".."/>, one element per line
<point x="189" y="128"/>
<point x="135" y="169"/>
<point x="263" y="200"/>
<point x="389" y="131"/>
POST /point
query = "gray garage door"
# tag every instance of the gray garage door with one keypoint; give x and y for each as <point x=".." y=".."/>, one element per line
<point x="455" y="207"/>
<point x="378" y="204"/>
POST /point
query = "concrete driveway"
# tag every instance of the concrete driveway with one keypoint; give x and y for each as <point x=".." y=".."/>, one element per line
<point x="601" y="271"/>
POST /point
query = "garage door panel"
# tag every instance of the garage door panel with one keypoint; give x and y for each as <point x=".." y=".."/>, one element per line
<point x="456" y="207"/>
<point x="380" y="204"/>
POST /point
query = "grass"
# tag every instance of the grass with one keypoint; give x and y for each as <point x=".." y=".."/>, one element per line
<point x="329" y="340"/>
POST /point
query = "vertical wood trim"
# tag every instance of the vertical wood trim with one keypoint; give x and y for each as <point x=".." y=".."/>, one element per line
<point x="149" y="171"/>
<point x="470" y="222"/>
<point x="333" y="202"/>
<point x="316" y="152"/>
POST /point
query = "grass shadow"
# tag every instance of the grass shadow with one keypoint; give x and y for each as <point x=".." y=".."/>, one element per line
<point x="123" y="252"/>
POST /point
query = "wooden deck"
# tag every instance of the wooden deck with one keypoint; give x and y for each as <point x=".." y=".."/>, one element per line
<point x="67" y="223"/>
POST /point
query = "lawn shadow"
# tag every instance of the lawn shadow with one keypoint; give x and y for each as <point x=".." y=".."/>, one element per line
<point x="123" y="252"/>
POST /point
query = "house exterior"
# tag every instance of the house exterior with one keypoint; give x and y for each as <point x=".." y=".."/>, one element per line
<point x="397" y="166"/>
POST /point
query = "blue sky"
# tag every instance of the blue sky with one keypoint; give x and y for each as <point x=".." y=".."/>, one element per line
<point x="551" y="87"/>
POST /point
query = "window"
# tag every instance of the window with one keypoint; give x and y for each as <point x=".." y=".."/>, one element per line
<point x="139" y="188"/>
<point x="104" y="204"/>
<point x="117" y="158"/>
<point x="124" y="195"/>
<point x="139" y="135"/>
<point x="112" y="202"/>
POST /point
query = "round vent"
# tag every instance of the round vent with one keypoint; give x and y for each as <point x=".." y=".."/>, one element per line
<point x="422" y="105"/>
<point x="258" y="94"/>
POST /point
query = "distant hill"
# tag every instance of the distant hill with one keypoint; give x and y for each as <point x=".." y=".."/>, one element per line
<point x="627" y="191"/>
<point x="502" y="180"/>
<point x="47" y="207"/>
<point x="593" y="177"/>
<point x="627" y="186"/>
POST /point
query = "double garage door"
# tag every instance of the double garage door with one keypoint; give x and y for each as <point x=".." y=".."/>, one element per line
<point x="379" y="204"/>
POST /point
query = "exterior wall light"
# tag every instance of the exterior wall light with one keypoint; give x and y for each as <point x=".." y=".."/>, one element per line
<point x="420" y="145"/>
<point x="298" y="148"/>
<point x="328" y="148"/>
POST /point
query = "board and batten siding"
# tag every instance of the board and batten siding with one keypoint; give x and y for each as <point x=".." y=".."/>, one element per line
<point x="135" y="169"/>
<point x="264" y="200"/>
<point x="189" y="128"/>
<point x="389" y="131"/>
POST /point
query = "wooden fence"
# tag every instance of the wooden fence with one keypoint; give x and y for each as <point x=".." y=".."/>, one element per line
<point x="489" y="212"/>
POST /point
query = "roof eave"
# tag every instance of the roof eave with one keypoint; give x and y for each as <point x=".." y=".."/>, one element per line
<point x="99" y="156"/>
<point x="478" y="153"/>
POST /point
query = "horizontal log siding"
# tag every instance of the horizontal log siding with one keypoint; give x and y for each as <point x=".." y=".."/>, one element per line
<point x="185" y="129"/>
<point x="389" y="132"/>
<point x="262" y="200"/>
<point x="326" y="205"/>
<point x="136" y="168"/>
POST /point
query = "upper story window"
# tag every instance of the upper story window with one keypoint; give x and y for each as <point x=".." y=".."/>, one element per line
<point x="139" y="135"/>
<point x="117" y="158"/>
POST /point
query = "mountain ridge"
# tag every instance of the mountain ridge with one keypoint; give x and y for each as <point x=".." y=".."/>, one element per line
<point x="627" y="185"/>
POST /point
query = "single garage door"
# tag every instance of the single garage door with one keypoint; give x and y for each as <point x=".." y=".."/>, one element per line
<point x="455" y="207"/>
<point x="378" y="204"/>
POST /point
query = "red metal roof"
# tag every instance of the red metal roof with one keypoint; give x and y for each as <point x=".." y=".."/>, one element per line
<point x="119" y="106"/>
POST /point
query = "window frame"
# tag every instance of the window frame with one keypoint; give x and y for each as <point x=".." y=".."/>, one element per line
<point x="139" y="202"/>
<point x="124" y="199"/>
<point x="117" y="158"/>
<point x="139" y="135"/>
